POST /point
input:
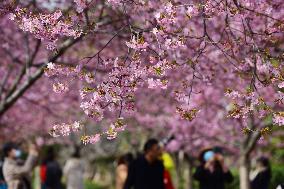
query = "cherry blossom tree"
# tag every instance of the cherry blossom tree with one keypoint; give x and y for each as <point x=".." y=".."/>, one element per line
<point x="214" y="57"/>
<point x="25" y="56"/>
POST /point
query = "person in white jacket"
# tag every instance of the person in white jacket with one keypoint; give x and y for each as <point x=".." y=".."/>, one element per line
<point x="74" y="171"/>
<point x="15" y="174"/>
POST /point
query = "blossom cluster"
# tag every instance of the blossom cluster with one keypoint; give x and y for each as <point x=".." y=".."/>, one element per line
<point x="247" y="103"/>
<point x="137" y="44"/>
<point x="81" y="5"/>
<point x="115" y="95"/>
<point x="278" y="118"/>
<point x="46" y="27"/>
<point x="55" y="70"/>
<point x="90" y="139"/>
<point x="157" y="83"/>
<point x="175" y="46"/>
<point x="114" y="2"/>
<point x="117" y="92"/>
<point x="60" y="87"/>
<point x="166" y="15"/>
<point x="65" y="129"/>
<point x="187" y="114"/>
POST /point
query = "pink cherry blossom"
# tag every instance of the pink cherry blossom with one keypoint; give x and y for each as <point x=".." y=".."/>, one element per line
<point x="156" y="83"/>
<point x="60" y="87"/>
<point x="137" y="44"/>
<point x="218" y="63"/>
<point x="278" y="118"/>
<point x="46" y="27"/>
<point x="281" y="85"/>
<point x="114" y="2"/>
<point x="94" y="139"/>
<point x="81" y="5"/>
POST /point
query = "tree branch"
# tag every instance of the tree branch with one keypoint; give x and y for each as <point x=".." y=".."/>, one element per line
<point x="252" y="142"/>
<point x="24" y="70"/>
<point x="10" y="100"/>
<point x="4" y="81"/>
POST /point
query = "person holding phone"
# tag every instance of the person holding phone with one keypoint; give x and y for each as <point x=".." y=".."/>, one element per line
<point x="212" y="172"/>
<point x="14" y="173"/>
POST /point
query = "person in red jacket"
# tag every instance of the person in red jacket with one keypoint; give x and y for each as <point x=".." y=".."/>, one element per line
<point x="42" y="175"/>
<point x="167" y="180"/>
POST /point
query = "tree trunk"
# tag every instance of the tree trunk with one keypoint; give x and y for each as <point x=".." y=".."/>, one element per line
<point x="190" y="175"/>
<point x="179" y="169"/>
<point x="244" y="172"/>
<point x="247" y="147"/>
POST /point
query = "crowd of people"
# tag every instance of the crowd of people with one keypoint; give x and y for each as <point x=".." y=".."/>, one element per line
<point x="16" y="173"/>
<point x="146" y="171"/>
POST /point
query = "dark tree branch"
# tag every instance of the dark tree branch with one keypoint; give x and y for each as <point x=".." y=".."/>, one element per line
<point x="24" y="70"/>
<point x="10" y="100"/>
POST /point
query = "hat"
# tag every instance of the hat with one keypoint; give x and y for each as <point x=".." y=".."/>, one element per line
<point x="218" y="149"/>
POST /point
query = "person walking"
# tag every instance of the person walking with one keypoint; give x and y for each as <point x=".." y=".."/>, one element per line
<point x="260" y="177"/>
<point x="74" y="171"/>
<point x="15" y="174"/>
<point x="147" y="171"/>
<point x="122" y="170"/>
<point x="53" y="171"/>
<point x="212" y="173"/>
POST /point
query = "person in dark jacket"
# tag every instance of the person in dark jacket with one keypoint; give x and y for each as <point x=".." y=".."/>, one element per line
<point x="3" y="184"/>
<point x="212" y="173"/>
<point x="53" y="172"/>
<point x="147" y="171"/>
<point x="260" y="177"/>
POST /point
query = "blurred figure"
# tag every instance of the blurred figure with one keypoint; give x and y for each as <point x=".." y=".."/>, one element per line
<point x="53" y="171"/>
<point x="122" y="169"/>
<point x="3" y="184"/>
<point x="15" y="174"/>
<point x="260" y="177"/>
<point x="169" y="166"/>
<point x="281" y="186"/>
<point x="42" y="172"/>
<point x="147" y="171"/>
<point x="74" y="171"/>
<point x="212" y="173"/>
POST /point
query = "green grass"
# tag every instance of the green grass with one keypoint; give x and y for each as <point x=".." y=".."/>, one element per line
<point x="91" y="185"/>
